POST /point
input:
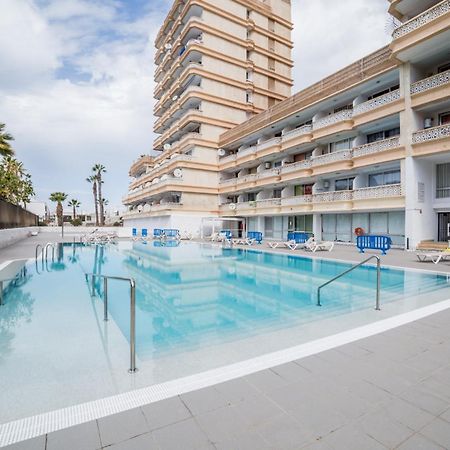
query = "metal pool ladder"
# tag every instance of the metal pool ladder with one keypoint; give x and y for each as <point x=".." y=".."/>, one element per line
<point x="377" y="304"/>
<point x="132" y="282"/>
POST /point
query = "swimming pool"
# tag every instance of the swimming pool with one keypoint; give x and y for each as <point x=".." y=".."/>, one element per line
<point x="198" y="306"/>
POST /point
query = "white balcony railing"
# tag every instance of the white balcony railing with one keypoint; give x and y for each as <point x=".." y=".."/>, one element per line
<point x="376" y="102"/>
<point x="390" y="190"/>
<point x="341" y="155"/>
<point x="440" y="79"/>
<point x="305" y="129"/>
<point x="332" y="196"/>
<point x="297" y="200"/>
<point x="268" y="202"/>
<point x="269" y="143"/>
<point x="375" y="147"/>
<point x="422" y="19"/>
<point x="340" y="116"/>
<point x="267" y="173"/>
<point x="431" y="134"/>
<point x="247" y="151"/>
<point x="291" y="167"/>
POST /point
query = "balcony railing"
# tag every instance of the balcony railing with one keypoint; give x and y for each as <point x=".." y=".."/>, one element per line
<point x="440" y="79"/>
<point x="247" y="151"/>
<point x="431" y="134"/>
<point x="333" y="196"/>
<point x="340" y="116"/>
<point x="341" y="155"/>
<point x="268" y="202"/>
<point x="377" y="146"/>
<point x="376" y="102"/>
<point x="390" y="190"/>
<point x="269" y="143"/>
<point x="422" y="19"/>
<point x="296" y="200"/>
<point x="267" y="173"/>
<point x="305" y="129"/>
<point x="292" y="167"/>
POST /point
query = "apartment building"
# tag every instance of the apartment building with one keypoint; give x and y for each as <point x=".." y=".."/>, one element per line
<point x="218" y="63"/>
<point x="368" y="147"/>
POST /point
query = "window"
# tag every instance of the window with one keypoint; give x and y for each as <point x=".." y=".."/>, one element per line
<point x="444" y="118"/>
<point x="277" y="193"/>
<point x="384" y="91"/>
<point x="248" y="14"/>
<point x="251" y="197"/>
<point x="303" y="189"/>
<point x="344" y="184"/>
<point x="248" y="97"/>
<point x="248" y="54"/>
<point x="271" y="44"/>
<point x="272" y="25"/>
<point x="249" y="75"/>
<point x="271" y="64"/>
<point x="343" y="108"/>
<point x="384" y="178"/>
<point x="344" y="144"/>
<point x="444" y="68"/>
<point x="443" y="180"/>
<point x="270" y="83"/>
<point x="277" y="164"/>
<point x="384" y="134"/>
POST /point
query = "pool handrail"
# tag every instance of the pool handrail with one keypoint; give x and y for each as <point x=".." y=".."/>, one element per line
<point x="132" y="282"/>
<point x="377" y="303"/>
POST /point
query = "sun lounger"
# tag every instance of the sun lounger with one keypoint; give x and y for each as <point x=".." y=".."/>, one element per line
<point x="319" y="246"/>
<point x="435" y="257"/>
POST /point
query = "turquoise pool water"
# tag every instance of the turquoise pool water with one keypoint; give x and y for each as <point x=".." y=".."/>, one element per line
<point x="189" y="298"/>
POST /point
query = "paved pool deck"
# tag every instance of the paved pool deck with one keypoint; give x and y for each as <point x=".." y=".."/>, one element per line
<point x="388" y="391"/>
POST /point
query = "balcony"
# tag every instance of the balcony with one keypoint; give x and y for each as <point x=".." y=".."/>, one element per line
<point x="378" y="152"/>
<point x="382" y="106"/>
<point x="431" y="89"/>
<point x="292" y="138"/>
<point x="140" y="165"/>
<point x="390" y="190"/>
<point x="151" y="189"/>
<point x="298" y="200"/>
<point x="151" y="210"/>
<point x="428" y="30"/>
<point x="432" y="140"/>
<point x="334" y="123"/>
<point x="340" y="160"/>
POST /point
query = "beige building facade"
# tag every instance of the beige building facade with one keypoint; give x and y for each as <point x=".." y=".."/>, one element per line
<point x="367" y="147"/>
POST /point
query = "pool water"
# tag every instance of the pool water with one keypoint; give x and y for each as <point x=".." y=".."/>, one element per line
<point x="198" y="306"/>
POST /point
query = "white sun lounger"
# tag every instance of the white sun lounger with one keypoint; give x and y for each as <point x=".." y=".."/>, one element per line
<point x="435" y="257"/>
<point x="320" y="246"/>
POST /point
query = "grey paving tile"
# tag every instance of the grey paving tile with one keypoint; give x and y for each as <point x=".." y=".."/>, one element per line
<point x="318" y="445"/>
<point x="121" y="427"/>
<point x="184" y="435"/>
<point x="165" y="412"/>
<point x="236" y="390"/>
<point x="353" y="350"/>
<point x="419" y="442"/>
<point x="407" y="414"/>
<point x="249" y="441"/>
<point x="446" y="415"/>
<point x="368" y="391"/>
<point x="292" y="372"/>
<point x="266" y="380"/>
<point x="30" y="444"/>
<point x="204" y="400"/>
<point x="141" y="442"/>
<point x="222" y="424"/>
<point x="384" y="429"/>
<point x="85" y="436"/>
<point x="425" y="400"/>
<point x="438" y="431"/>
<point x="283" y="432"/>
<point x="350" y="437"/>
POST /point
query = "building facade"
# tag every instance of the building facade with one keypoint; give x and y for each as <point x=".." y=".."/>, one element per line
<point x="368" y="147"/>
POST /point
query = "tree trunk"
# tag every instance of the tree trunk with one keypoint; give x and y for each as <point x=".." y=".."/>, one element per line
<point x="59" y="213"/>
<point x="74" y="215"/>
<point x="100" y="200"/>
<point x="94" y="190"/>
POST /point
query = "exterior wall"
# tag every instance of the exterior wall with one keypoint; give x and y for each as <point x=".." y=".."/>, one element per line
<point x="12" y="235"/>
<point x="13" y="216"/>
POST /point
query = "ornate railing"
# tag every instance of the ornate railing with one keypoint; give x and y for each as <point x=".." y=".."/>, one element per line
<point x="345" y="114"/>
<point x="229" y="182"/>
<point x="431" y="134"/>
<point x="422" y="19"/>
<point x="297" y="200"/>
<point x="227" y="159"/>
<point x="305" y="129"/>
<point x="375" y="147"/>
<point x="341" y="155"/>
<point x="306" y="164"/>
<point x="390" y="190"/>
<point x="431" y="82"/>
<point x="247" y="151"/>
<point x="269" y="143"/>
<point x="333" y="196"/>
<point x="268" y="173"/>
<point x="268" y="202"/>
<point x="376" y="102"/>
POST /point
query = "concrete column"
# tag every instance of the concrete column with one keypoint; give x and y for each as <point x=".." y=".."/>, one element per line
<point x="317" y="226"/>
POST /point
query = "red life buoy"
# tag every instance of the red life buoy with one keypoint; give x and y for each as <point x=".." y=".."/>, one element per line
<point x="359" y="231"/>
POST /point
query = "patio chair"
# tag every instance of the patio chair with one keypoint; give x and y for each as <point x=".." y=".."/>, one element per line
<point x="158" y="233"/>
<point x="435" y="257"/>
<point x="134" y="234"/>
<point x="144" y="234"/>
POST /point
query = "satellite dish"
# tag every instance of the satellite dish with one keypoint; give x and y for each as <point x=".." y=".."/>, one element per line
<point x="165" y="177"/>
<point x="174" y="155"/>
<point x="221" y="152"/>
<point x="167" y="146"/>
<point x="232" y="206"/>
<point x="168" y="46"/>
<point x="140" y="208"/>
<point x="147" y="207"/>
<point x="157" y="165"/>
<point x="177" y="173"/>
<point x="175" y="98"/>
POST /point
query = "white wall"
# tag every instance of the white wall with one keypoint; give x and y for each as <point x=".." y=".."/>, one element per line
<point x="77" y="231"/>
<point x="12" y="235"/>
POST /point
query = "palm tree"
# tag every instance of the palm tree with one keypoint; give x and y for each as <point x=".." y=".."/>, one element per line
<point x="74" y="203"/>
<point x="98" y="170"/>
<point x="5" y="138"/>
<point x="93" y="180"/>
<point x="59" y="198"/>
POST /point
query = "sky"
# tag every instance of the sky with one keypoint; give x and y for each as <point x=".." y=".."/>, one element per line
<point x="76" y="79"/>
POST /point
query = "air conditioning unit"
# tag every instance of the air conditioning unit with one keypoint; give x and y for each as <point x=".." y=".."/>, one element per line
<point x="326" y="184"/>
<point x="268" y="165"/>
<point x="428" y="122"/>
